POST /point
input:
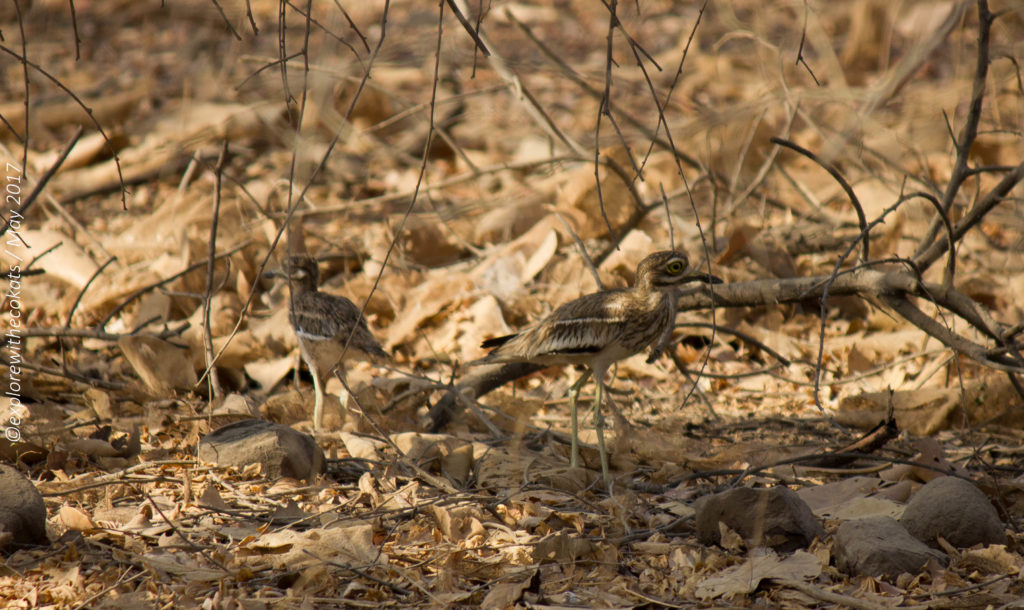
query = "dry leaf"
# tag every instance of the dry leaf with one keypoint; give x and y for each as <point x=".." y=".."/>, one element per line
<point x="507" y="594"/>
<point x="182" y="565"/>
<point x="65" y="261"/>
<point x="268" y="372"/>
<point x="74" y="519"/>
<point x="612" y="200"/>
<point x="746" y="577"/>
<point x="100" y="403"/>
<point x="352" y="544"/>
<point x="562" y="548"/>
<point x="93" y="447"/>
<point x="211" y="498"/>
<point x="163" y="367"/>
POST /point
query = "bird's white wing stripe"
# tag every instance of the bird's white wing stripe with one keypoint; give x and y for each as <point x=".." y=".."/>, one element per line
<point x="311" y="336"/>
<point x="582" y="321"/>
<point x="587" y="334"/>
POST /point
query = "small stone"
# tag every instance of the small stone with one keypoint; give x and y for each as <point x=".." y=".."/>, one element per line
<point x="775" y="517"/>
<point x="880" y="547"/>
<point x="283" y="451"/>
<point x="22" y="512"/>
<point x="956" y="510"/>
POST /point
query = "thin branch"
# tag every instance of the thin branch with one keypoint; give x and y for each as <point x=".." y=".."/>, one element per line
<point x="145" y="289"/>
<point x="216" y="391"/>
<point x="95" y="333"/>
<point x="352" y="24"/>
<point x="970" y="129"/>
<point x="466" y="25"/>
<point x="227" y="22"/>
<point x="43" y="180"/>
<point x="88" y="111"/>
<point x="834" y="172"/>
<point x="973" y="217"/>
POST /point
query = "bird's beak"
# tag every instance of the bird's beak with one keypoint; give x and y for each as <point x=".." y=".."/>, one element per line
<point x="700" y="276"/>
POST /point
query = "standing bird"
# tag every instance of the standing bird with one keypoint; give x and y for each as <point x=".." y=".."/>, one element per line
<point x="330" y="329"/>
<point x="600" y="329"/>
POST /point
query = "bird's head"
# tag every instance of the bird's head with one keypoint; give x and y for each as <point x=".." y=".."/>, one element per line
<point x="670" y="268"/>
<point x="300" y="270"/>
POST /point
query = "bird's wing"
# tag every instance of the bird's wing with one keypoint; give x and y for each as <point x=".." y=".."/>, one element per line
<point x="321" y="317"/>
<point x="586" y="325"/>
<point x="348" y="320"/>
<point x="312" y="316"/>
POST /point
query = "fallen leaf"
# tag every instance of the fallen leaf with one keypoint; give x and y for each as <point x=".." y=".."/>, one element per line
<point x="746" y="577"/>
<point x="163" y="367"/>
<point x="74" y="519"/>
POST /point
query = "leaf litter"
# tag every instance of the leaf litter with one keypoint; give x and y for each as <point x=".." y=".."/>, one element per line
<point x="477" y="514"/>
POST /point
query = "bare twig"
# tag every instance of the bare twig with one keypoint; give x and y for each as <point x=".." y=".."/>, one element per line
<point x="47" y="370"/>
<point x="831" y="597"/>
<point x="83" y="106"/>
<point x="216" y="391"/>
<point x="970" y="129"/>
<point x="43" y="180"/>
<point x="530" y="103"/>
<point x="145" y="289"/>
<point x="466" y="25"/>
<point x="96" y="333"/>
<point x="924" y="258"/>
<point x="593" y="92"/>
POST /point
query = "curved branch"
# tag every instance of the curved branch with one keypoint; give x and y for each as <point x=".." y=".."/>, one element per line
<point x="947" y="277"/>
<point x="831" y="169"/>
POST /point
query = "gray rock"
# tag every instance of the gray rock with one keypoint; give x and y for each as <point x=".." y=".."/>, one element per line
<point x="283" y="451"/>
<point x="22" y="512"/>
<point x="954" y="509"/>
<point x="880" y="547"/>
<point x="775" y="517"/>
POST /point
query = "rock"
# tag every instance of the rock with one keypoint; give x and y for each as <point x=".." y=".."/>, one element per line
<point x="880" y="547"/>
<point x="775" y="517"/>
<point x="284" y="452"/>
<point x="22" y="512"/>
<point x="956" y="510"/>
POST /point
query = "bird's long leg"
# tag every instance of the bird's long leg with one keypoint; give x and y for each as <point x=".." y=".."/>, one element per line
<point x="318" y="404"/>
<point x="599" y="424"/>
<point x="574" y="393"/>
<point x="298" y="372"/>
<point x="343" y="395"/>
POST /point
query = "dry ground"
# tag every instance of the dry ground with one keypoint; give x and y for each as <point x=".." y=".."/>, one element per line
<point x="475" y="235"/>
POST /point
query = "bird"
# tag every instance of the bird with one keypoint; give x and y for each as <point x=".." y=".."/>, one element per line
<point x="330" y="329"/>
<point x="599" y="329"/>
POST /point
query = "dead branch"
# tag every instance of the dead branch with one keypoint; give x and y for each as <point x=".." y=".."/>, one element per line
<point x="984" y="205"/>
<point x="893" y="288"/>
<point x="476" y="384"/>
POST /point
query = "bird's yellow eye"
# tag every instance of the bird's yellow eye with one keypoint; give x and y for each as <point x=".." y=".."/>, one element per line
<point x="674" y="267"/>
